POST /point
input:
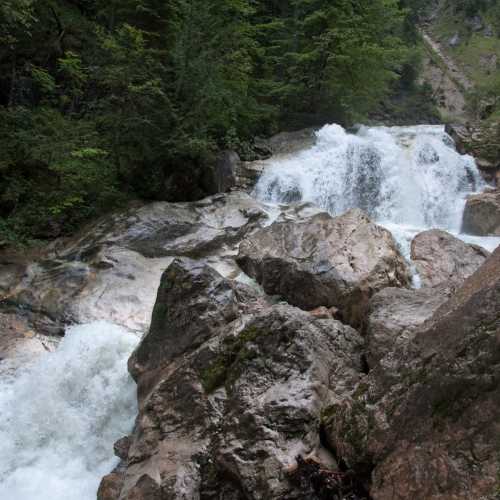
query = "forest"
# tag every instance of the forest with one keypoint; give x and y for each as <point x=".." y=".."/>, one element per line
<point x="104" y="101"/>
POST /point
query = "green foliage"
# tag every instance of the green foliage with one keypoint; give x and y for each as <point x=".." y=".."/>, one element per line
<point x="105" y="100"/>
<point x="52" y="178"/>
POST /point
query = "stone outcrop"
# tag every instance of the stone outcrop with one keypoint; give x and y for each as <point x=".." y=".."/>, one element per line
<point x="189" y="289"/>
<point x="427" y="427"/>
<point x="440" y="258"/>
<point x="325" y="261"/>
<point x="482" y="214"/>
<point x="228" y="401"/>
<point x="286" y="143"/>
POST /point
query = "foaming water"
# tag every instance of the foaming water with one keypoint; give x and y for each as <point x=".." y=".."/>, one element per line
<point x="61" y="415"/>
<point x="408" y="179"/>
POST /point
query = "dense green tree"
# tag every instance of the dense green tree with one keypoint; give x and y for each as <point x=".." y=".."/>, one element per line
<point x="103" y="100"/>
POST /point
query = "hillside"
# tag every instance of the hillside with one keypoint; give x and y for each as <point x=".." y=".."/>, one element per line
<point x="462" y="66"/>
<point x="468" y="34"/>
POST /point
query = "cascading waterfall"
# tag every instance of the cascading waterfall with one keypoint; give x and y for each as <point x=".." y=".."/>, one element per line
<point x="62" y="414"/>
<point x="408" y="179"/>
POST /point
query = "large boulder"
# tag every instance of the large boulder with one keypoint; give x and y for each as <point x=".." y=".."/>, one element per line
<point x="286" y="143"/>
<point x="194" y="301"/>
<point x="482" y="214"/>
<point x="440" y="258"/>
<point x="325" y="261"/>
<point x="395" y="314"/>
<point x="226" y="403"/>
<point x="165" y="229"/>
<point x="428" y="427"/>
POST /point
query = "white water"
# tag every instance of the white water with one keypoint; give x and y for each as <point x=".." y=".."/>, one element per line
<point x="409" y="179"/>
<point x="61" y="415"/>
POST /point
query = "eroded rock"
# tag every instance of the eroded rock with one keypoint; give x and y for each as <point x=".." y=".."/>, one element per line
<point x="193" y="302"/>
<point x="25" y="335"/>
<point x="325" y="261"/>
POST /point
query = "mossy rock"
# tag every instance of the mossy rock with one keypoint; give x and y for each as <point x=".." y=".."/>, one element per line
<point x="229" y="363"/>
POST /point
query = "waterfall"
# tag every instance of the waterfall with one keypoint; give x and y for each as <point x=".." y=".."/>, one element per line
<point x="62" y="414"/>
<point x="408" y="179"/>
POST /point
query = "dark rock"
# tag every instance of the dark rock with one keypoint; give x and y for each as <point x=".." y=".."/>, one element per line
<point x="460" y="135"/>
<point x="122" y="447"/>
<point x="26" y="334"/>
<point x="286" y="143"/>
<point x="193" y="302"/>
<point x="481" y="141"/>
<point x="110" y="487"/>
<point x="221" y="178"/>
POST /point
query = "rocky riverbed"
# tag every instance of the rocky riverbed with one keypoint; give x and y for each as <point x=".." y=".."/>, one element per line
<point x="282" y="352"/>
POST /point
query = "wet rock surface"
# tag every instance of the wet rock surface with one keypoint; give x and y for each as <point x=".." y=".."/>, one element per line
<point x="25" y="335"/>
<point x="481" y="141"/>
<point x="440" y="258"/>
<point x="325" y="261"/>
<point x="112" y="269"/>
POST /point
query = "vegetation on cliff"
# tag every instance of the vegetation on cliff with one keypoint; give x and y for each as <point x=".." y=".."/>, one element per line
<point x="101" y="101"/>
<point x="469" y="32"/>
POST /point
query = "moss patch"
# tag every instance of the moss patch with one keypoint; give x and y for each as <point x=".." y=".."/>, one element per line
<point x="228" y="365"/>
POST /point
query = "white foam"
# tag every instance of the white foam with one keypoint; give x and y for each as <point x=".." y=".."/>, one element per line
<point x="61" y="415"/>
<point x="409" y="179"/>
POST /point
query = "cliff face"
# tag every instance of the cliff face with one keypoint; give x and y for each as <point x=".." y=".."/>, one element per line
<point x="462" y="65"/>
